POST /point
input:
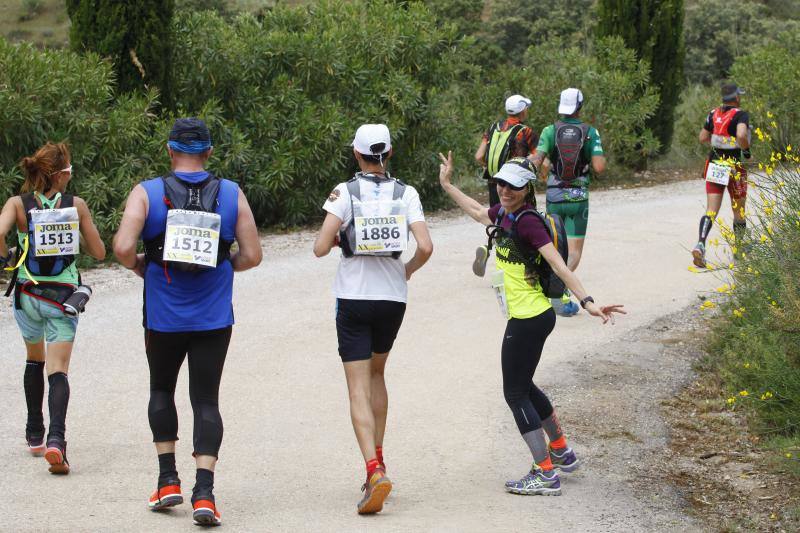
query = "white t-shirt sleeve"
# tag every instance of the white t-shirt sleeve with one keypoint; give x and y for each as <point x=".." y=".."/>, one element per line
<point x="338" y="203"/>
<point x="415" y="213"/>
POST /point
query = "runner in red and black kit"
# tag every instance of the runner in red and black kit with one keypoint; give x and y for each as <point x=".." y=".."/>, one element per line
<point x="727" y="130"/>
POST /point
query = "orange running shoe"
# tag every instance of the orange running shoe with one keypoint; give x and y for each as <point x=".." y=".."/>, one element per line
<point x="376" y="490"/>
<point x="205" y="512"/>
<point x="56" y="455"/>
<point x="167" y="496"/>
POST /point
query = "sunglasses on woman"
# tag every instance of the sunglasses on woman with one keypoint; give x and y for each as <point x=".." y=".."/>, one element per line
<point x="502" y="183"/>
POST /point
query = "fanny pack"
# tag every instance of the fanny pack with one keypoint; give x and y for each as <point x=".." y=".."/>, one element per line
<point x="53" y="293"/>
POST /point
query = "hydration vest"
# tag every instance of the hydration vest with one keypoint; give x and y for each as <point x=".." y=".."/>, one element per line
<point x="347" y="237"/>
<point x="569" y="162"/>
<point x="43" y="266"/>
<point x="720" y="137"/>
<point x="551" y="284"/>
<point x="179" y="194"/>
<point x="500" y="146"/>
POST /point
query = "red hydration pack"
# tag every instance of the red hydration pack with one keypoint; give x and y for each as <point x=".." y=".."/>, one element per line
<point x="720" y="137"/>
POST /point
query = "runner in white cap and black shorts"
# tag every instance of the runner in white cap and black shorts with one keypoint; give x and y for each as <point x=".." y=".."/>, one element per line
<point x="370" y="217"/>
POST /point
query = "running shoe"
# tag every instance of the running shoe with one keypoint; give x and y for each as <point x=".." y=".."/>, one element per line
<point x="558" y="305"/>
<point x="204" y="511"/>
<point x="56" y="455"/>
<point x="536" y="482"/>
<point x="699" y="255"/>
<point x="376" y="490"/>
<point x="36" y="445"/>
<point x="565" y="460"/>
<point x="569" y="309"/>
<point x="481" y="256"/>
<point x="167" y="495"/>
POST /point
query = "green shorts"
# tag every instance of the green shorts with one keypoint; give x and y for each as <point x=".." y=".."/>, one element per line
<point x="39" y="320"/>
<point x="575" y="216"/>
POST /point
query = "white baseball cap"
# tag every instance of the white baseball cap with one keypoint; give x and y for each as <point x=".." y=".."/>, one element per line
<point x="516" y="171"/>
<point x="571" y="100"/>
<point x="516" y="104"/>
<point x="370" y="137"/>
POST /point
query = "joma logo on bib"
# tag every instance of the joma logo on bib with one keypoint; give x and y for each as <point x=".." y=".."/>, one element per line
<point x="57" y="227"/>
<point x="192" y="232"/>
<point x="374" y="221"/>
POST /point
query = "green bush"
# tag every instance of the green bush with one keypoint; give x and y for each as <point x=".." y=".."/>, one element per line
<point x="696" y="102"/>
<point x="756" y="340"/>
<point x="771" y="75"/>
<point x="716" y="35"/>
<point x="59" y="95"/>
<point x="616" y="88"/>
<point x="288" y="90"/>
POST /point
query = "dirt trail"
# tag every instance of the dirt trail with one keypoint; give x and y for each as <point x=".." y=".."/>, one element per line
<point x="289" y="461"/>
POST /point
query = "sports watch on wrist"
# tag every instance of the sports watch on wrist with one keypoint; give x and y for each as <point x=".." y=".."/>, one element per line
<point x="586" y="301"/>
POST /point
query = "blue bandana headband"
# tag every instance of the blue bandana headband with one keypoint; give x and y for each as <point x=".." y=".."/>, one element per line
<point x="190" y="147"/>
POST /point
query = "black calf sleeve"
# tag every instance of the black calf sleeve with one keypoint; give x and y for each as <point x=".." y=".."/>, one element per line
<point x="163" y="416"/>
<point x="705" y="227"/>
<point x="58" y="399"/>
<point x="34" y="397"/>
<point x="207" y="428"/>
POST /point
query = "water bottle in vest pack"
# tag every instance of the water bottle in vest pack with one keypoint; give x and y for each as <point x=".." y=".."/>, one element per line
<point x="191" y="239"/>
<point x="568" y="159"/>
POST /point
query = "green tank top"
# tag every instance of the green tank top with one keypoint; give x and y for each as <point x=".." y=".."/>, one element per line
<point x="68" y="275"/>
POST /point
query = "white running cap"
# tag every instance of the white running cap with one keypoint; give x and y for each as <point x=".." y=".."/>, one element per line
<point x="370" y="137"/>
<point x="517" y="104"/>
<point x="516" y="171"/>
<point x="571" y="100"/>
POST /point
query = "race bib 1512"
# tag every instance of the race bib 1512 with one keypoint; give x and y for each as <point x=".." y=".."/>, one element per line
<point x="192" y="237"/>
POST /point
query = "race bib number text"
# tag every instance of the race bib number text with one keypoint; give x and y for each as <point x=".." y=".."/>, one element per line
<point x="718" y="173"/>
<point x="192" y="237"/>
<point x="381" y="234"/>
<point x="55" y="232"/>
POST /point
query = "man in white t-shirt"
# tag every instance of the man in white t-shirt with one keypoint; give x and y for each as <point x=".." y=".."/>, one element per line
<point x="370" y="217"/>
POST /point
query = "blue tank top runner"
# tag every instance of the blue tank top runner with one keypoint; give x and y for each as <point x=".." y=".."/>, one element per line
<point x="189" y="301"/>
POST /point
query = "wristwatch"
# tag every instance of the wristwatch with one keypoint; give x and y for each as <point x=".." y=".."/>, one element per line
<point x="586" y="301"/>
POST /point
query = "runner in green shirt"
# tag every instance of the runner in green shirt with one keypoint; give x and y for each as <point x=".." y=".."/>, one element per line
<point x="573" y="147"/>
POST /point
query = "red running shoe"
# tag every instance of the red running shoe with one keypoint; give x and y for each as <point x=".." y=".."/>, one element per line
<point x="205" y="512"/>
<point x="376" y="490"/>
<point x="167" y="496"/>
<point x="56" y="455"/>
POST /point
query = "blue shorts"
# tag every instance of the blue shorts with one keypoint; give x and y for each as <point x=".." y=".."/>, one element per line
<point x="39" y="320"/>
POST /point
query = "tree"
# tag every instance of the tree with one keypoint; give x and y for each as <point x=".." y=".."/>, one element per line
<point x="137" y="36"/>
<point x="654" y="29"/>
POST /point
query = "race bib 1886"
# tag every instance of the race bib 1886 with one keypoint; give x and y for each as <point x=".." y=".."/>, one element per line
<point x="55" y="232"/>
<point x="381" y="234"/>
<point x="192" y="237"/>
<point x="718" y="173"/>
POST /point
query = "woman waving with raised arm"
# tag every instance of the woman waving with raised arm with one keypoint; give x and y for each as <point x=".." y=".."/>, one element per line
<point x="521" y="243"/>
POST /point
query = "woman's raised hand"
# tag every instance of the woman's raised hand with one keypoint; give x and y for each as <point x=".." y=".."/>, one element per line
<point x="445" y="169"/>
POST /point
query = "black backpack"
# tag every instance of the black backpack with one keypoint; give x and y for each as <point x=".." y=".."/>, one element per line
<point x="179" y="194"/>
<point x="552" y="286"/>
<point x="567" y="156"/>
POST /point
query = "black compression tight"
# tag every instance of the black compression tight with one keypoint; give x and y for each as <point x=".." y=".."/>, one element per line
<point x="165" y="354"/>
<point x="522" y="348"/>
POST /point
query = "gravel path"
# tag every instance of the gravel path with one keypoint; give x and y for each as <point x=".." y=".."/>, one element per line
<point x="289" y="461"/>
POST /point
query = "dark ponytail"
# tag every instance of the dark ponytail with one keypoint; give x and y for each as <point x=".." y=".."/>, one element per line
<point x="530" y="196"/>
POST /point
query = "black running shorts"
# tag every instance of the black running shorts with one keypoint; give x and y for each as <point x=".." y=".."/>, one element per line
<point x="365" y="327"/>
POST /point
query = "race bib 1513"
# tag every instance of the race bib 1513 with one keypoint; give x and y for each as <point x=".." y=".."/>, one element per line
<point x="55" y="232"/>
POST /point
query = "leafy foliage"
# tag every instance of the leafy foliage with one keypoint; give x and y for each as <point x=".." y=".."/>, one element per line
<point x="696" y="102"/>
<point x="135" y="35"/>
<point x="654" y="29"/>
<point x="716" y="35"/>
